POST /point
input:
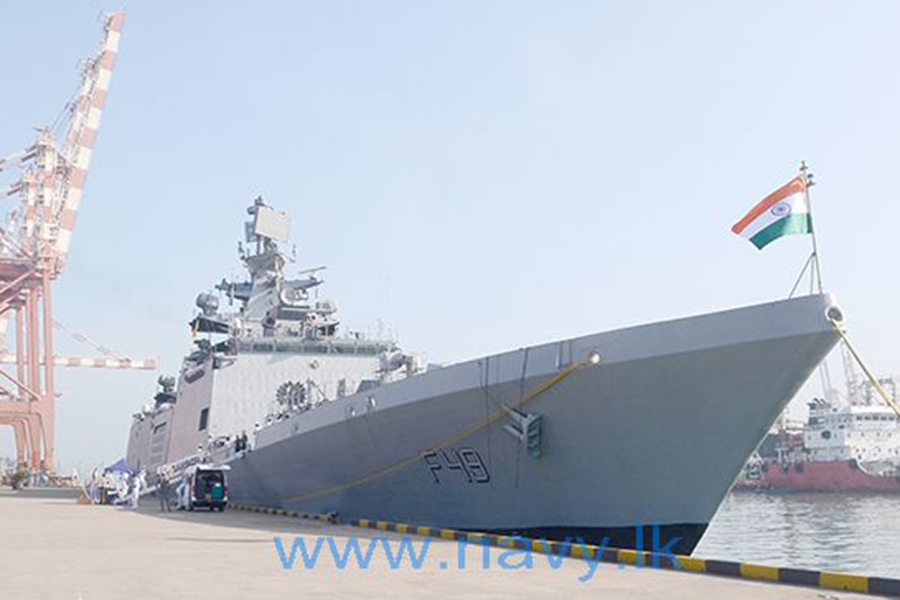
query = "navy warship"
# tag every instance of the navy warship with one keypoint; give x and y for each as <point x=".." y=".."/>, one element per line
<point x="604" y="437"/>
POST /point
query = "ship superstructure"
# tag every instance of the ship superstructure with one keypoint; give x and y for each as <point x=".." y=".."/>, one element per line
<point x="279" y="353"/>
<point x="866" y="433"/>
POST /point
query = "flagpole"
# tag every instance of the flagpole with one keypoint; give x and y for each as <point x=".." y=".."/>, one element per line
<point x="808" y="180"/>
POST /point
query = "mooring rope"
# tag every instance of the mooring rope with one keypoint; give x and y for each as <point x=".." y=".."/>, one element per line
<point x="872" y="379"/>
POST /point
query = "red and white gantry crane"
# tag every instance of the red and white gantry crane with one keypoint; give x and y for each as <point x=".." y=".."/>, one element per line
<point x="34" y="244"/>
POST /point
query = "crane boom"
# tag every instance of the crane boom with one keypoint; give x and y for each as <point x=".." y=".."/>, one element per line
<point x="101" y="362"/>
<point x="52" y="184"/>
<point x="82" y="134"/>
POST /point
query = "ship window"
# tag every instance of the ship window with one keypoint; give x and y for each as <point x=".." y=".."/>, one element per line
<point x="204" y="419"/>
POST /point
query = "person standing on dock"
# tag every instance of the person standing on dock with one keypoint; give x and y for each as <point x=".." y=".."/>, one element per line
<point x="162" y="490"/>
<point x="184" y="492"/>
<point x="94" y="486"/>
<point x="138" y="483"/>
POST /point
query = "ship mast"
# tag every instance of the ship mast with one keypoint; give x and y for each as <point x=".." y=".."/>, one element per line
<point x="848" y="353"/>
<point x="816" y="273"/>
<point x="851" y="376"/>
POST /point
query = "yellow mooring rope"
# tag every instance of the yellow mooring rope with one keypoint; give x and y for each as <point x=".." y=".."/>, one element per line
<point x="455" y="437"/>
<point x="872" y="379"/>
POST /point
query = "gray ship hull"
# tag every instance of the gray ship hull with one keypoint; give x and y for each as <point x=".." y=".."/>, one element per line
<point x="653" y="435"/>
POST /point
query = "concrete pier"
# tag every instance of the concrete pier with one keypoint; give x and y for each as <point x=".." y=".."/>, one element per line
<point x="54" y="548"/>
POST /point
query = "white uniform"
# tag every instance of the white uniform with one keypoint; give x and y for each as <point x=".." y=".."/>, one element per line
<point x="136" y="489"/>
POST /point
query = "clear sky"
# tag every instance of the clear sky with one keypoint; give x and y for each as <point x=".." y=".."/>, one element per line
<point x="478" y="175"/>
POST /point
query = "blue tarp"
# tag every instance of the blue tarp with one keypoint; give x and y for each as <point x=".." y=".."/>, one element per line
<point x="120" y="466"/>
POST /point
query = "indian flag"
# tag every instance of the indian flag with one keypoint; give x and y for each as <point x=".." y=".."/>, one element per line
<point x="783" y="212"/>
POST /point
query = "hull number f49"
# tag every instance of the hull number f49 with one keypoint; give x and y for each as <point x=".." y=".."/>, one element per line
<point x="465" y="462"/>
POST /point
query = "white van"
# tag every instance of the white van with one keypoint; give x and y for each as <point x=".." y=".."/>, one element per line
<point x="205" y="486"/>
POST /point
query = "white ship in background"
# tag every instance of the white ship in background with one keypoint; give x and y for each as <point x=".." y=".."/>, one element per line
<point x="587" y="437"/>
<point x="851" y="444"/>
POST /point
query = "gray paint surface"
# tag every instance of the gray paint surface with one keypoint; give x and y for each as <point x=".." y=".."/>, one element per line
<point x="653" y="435"/>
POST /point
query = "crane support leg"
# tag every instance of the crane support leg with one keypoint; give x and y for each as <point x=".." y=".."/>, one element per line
<point x="21" y="447"/>
<point x="48" y="408"/>
<point x="20" y="348"/>
<point x="32" y="357"/>
<point x="18" y="427"/>
<point x="26" y="426"/>
<point x="34" y="433"/>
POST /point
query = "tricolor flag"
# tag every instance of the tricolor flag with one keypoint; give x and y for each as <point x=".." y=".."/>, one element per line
<point x="782" y="212"/>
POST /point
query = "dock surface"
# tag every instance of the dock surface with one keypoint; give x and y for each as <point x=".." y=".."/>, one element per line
<point x="55" y="548"/>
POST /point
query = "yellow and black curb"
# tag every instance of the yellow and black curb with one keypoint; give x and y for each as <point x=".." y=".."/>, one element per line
<point x="802" y="577"/>
<point x="266" y="510"/>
